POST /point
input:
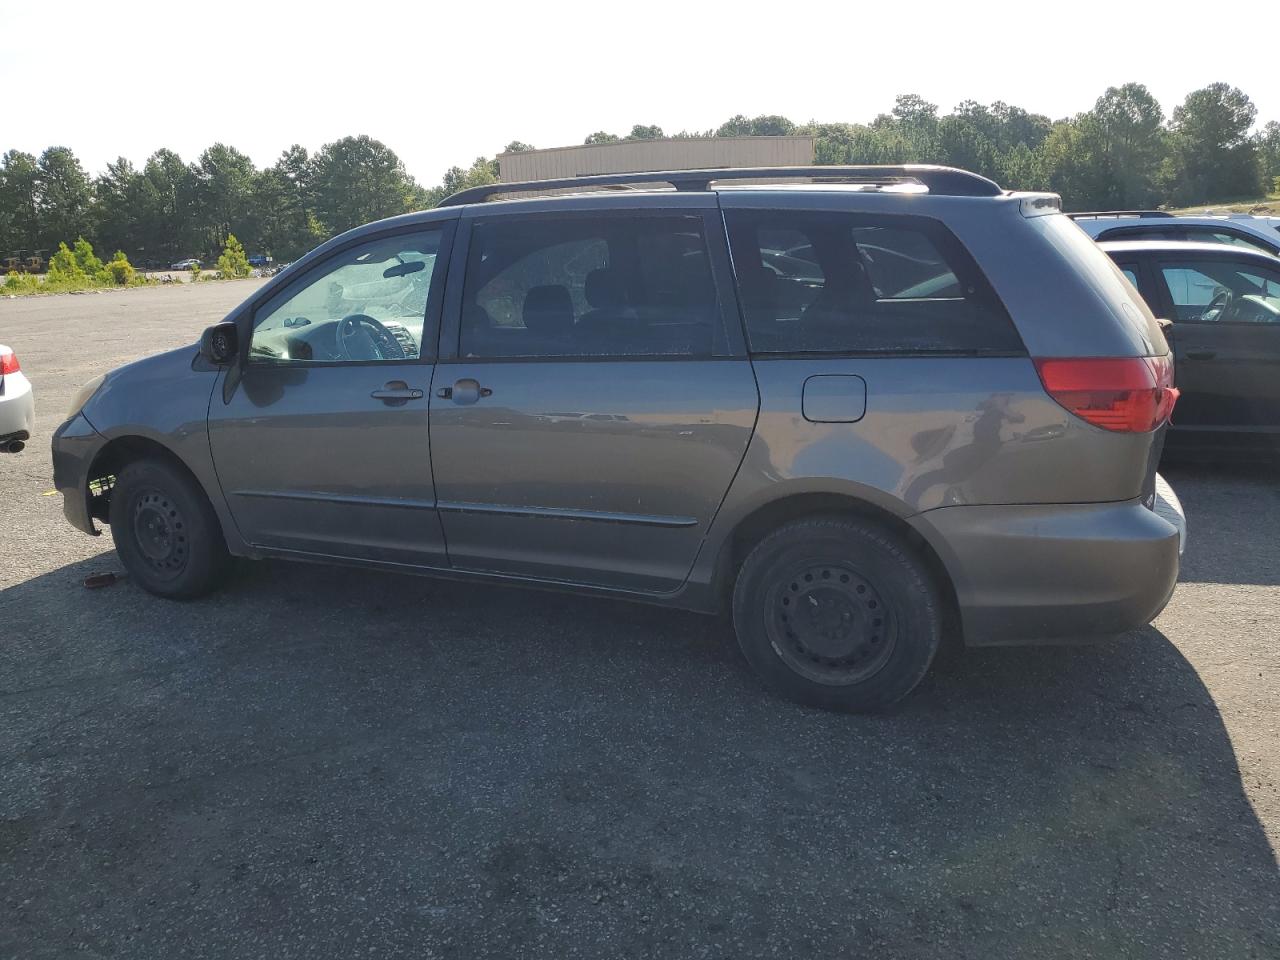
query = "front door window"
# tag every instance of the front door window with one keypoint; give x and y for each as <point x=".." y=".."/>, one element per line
<point x="1221" y="291"/>
<point x="367" y="304"/>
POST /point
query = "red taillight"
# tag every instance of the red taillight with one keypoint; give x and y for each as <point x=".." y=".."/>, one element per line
<point x="8" y="361"/>
<point x="1124" y="394"/>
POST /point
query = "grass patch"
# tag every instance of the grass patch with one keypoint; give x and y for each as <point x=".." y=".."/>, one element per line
<point x="1266" y="206"/>
<point x="75" y="269"/>
<point x="29" y="285"/>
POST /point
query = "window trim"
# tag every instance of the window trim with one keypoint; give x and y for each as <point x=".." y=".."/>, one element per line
<point x="428" y="348"/>
<point x="1190" y="233"/>
<point x="932" y="228"/>
<point x="727" y="310"/>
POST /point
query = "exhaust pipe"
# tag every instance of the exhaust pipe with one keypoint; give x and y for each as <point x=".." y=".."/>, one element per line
<point x="13" y="446"/>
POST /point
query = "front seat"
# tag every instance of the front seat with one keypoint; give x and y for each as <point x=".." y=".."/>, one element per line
<point x="606" y="296"/>
<point x="842" y="296"/>
<point x="548" y="316"/>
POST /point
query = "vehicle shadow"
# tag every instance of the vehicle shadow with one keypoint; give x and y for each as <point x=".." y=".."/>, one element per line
<point x="1239" y="538"/>
<point x="321" y="761"/>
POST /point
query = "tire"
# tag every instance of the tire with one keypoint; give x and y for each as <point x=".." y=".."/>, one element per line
<point x="166" y="532"/>
<point x="838" y="614"/>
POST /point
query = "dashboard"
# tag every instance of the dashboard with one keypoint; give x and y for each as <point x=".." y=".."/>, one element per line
<point x="304" y="340"/>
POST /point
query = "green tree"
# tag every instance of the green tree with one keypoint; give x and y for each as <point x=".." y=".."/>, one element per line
<point x="772" y="125"/>
<point x="642" y="132"/>
<point x="1018" y="168"/>
<point x="911" y="108"/>
<point x="233" y="262"/>
<point x="912" y="131"/>
<point x="831" y="141"/>
<point x="63" y="197"/>
<point x="282" y="219"/>
<point x="63" y="267"/>
<point x="481" y="172"/>
<point x="1268" y="146"/>
<point x="166" y="209"/>
<point x="1013" y="126"/>
<point x="86" y="260"/>
<point x="762" y="126"/>
<point x="1127" y="139"/>
<point x="121" y="270"/>
<point x="358" y="179"/>
<point x="963" y="142"/>
<point x="1069" y="162"/>
<point x="601" y="136"/>
<point x="518" y="146"/>
<point x="223" y="179"/>
<point x="861" y="143"/>
<point x="19" y="203"/>
<point x="119" y="201"/>
<point x="1212" y="156"/>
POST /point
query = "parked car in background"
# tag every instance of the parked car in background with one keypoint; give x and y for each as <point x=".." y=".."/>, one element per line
<point x="17" y="404"/>
<point x="185" y="264"/>
<point x="260" y="260"/>
<point x="1224" y="302"/>
<point x="855" y="416"/>
<point x="1258" y="233"/>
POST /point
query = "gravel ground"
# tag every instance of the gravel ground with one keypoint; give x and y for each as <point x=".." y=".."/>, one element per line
<point x="323" y="762"/>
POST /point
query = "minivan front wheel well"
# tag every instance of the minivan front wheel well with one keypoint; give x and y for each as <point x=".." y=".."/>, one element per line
<point x="764" y="520"/>
<point x="113" y="458"/>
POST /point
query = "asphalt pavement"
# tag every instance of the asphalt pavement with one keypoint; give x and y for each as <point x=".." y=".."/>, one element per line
<point x="325" y="762"/>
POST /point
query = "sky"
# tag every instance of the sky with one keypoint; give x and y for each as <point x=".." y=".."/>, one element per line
<point x="442" y="85"/>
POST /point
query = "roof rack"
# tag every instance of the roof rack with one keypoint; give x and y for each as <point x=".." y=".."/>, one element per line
<point x="944" y="181"/>
<point x="1119" y="213"/>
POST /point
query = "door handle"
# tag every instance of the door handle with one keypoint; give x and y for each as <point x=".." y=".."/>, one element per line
<point x="1201" y="354"/>
<point x="466" y="390"/>
<point x="396" y="393"/>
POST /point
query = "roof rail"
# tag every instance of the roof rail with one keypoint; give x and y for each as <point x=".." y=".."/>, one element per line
<point x="944" y="181"/>
<point x="1119" y="213"/>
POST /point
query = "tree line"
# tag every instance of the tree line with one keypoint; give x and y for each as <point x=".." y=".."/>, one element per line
<point x="1124" y="153"/>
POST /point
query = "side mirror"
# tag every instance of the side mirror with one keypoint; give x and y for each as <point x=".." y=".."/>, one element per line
<point x="220" y="344"/>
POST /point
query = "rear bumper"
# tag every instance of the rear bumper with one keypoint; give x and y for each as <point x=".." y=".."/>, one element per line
<point x="75" y="444"/>
<point x="1057" y="573"/>
<point x="17" y="408"/>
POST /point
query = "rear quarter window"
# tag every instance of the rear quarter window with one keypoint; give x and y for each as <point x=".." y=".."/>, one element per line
<point x="836" y="282"/>
<point x="1097" y="268"/>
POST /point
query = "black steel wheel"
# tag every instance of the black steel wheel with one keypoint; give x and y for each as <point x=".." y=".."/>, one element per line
<point x="165" y="530"/>
<point x="837" y="613"/>
<point x="160" y="531"/>
<point x="829" y="623"/>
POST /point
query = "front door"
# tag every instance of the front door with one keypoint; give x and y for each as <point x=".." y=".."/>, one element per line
<point x="1226" y="339"/>
<point x="600" y="400"/>
<point x="320" y="434"/>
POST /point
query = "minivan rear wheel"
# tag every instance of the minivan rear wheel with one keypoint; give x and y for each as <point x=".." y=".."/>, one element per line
<point x="837" y="613"/>
<point x="166" y="532"/>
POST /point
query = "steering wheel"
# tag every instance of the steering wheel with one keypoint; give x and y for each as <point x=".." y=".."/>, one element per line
<point x="1218" y="306"/>
<point x="368" y="337"/>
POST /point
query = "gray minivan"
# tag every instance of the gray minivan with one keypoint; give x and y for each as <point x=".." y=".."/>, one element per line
<point x="860" y="412"/>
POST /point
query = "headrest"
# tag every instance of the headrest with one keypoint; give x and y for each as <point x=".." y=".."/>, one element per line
<point x="548" y="310"/>
<point x="604" y="289"/>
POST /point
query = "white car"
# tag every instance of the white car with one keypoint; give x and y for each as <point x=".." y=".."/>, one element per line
<point x="1260" y="233"/>
<point x="17" y="408"/>
<point x="185" y="264"/>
